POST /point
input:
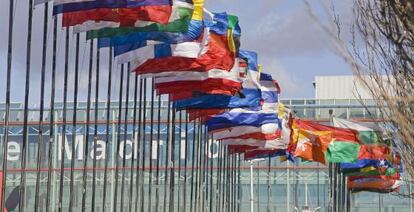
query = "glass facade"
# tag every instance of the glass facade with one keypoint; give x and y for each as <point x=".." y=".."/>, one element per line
<point x="123" y="142"/>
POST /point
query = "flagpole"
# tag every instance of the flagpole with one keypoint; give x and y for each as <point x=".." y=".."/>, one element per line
<point x="7" y="108"/>
<point x="157" y="182"/>
<point x="108" y="117"/>
<point x="239" y="186"/>
<point x="172" y="171"/>
<point x="180" y="118"/>
<point x="134" y="144"/>
<point x="42" y="105"/>
<point x="251" y="183"/>
<point x="268" y="184"/>
<point x="95" y="136"/>
<point x="343" y="188"/>
<point x="138" y="175"/>
<point x="192" y="166"/>
<point x="228" y="199"/>
<point x="197" y="178"/>
<point x="118" y="139"/>
<point x="206" y="169"/>
<point x="330" y="175"/>
<point x="203" y="167"/>
<point x="125" y="136"/>
<point x="218" y="174"/>
<point x="211" y="173"/>
<point x="88" y="117"/>
<point x="230" y="183"/>
<point x="52" y="116"/>
<point x="223" y="179"/>
<point x="235" y="183"/>
<point x="151" y="145"/>
<point x="185" y="162"/>
<point x="64" y="119"/>
<point x="144" y="120"/>
<point x="74" y="125"/>
<point x="167" y="157"/>
<point x="26" y="109"/>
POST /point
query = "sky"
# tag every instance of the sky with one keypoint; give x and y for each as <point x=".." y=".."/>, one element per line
<point x="290" y="45"/>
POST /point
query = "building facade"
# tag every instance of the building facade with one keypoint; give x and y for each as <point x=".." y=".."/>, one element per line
<point x="168" y="149"/>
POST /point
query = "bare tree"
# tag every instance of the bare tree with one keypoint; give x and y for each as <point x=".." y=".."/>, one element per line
<point x="380" y="53"/>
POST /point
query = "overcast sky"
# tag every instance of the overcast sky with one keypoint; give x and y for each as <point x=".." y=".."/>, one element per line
<point x="290" y="45"/>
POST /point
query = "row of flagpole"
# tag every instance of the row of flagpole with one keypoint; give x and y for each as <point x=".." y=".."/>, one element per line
<point x="224" y="194"/>
<point x="202" y="169"/>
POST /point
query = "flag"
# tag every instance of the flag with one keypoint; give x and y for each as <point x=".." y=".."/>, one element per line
<point x="85" y="19"/>
<point x="241" y="117"/>
<point x="181" y="13"/>
<point x="365" y="163"/>
<point x="263" y="153"/>
<point x="378" y="184"/>
<point x="266" y="144"/>
<point x="312" y="145"/>
<point x="343" y="146"/>
<point x="241" y="130"/>
<point x="248" y="97"/>
<point x="342" y="152"/>
<point x="64" y="6"/>
<point x="220" y="54"/>
<point x="366" y="134"/>
<point x="193" y="30"/>
<point x="183" y="84"/>
<point x="143" y="51"/>
<point x="259" y="136"/>
<point x="374" y="152"/>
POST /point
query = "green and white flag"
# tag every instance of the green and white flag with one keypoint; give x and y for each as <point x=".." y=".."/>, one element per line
<point x="366" y="134"/>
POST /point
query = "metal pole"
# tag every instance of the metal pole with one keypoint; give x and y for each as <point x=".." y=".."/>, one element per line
<point x="134" y="144"/>
<point x="185" y="163"/>
<point x="7" y="109"/>
<point x="410" y="192"/>
<point x="331" y="203"/>
<point x="251" y="188"/>
<point x="211" y="174"/>
<point x="268" y="185"/>
<point x="288" y="186"/>
<point x="88" y="117"/>
<point x="151" y="145"/>
<point x="239" y="185"/>
<point x="219" y="179"/>
<point x="63" y="140"/>
<point x="26" y="110"/>
<point x="41" y="145"/>
<point x="108" y="117"/>
<point x="52" y="118"/>
<point x="192" y="167"/>
<point x="138" y="176"/>
<point x="167" y="157"/>
<point x="125" y="137"/>
<point x="118" y="140"/>
<point x="180" y="118"/>
<point x="172" y="169"/>
<point x="157" y="182"/>
<point x="95" y="136"/>
<point x="74" y="125"/>
<point x="144" y="121"/>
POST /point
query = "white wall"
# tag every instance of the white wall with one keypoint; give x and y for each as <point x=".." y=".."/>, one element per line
<point x="340" y="87"/>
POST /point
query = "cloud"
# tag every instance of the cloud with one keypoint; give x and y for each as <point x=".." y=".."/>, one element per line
<point x="291" y="84"/>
